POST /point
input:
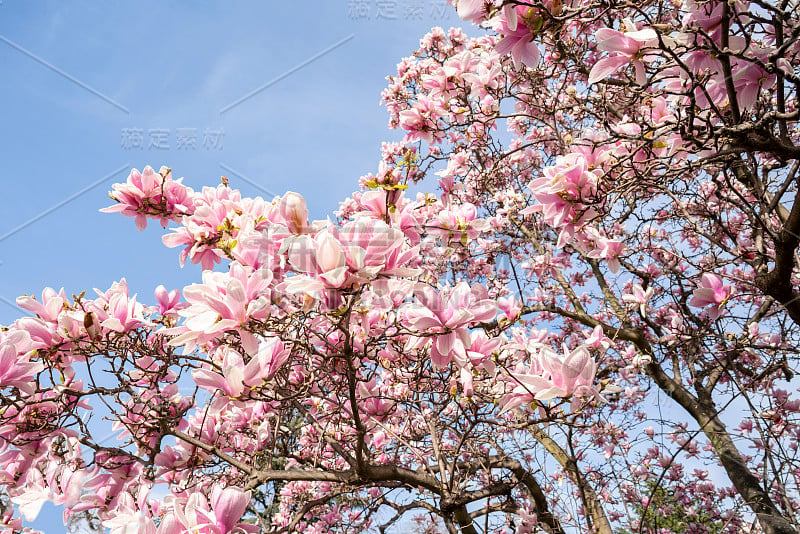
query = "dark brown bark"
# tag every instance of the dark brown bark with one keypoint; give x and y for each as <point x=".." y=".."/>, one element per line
<point x="777" y="283"/>
<point x="545" y="517"/>
<point x="743" y="479"/>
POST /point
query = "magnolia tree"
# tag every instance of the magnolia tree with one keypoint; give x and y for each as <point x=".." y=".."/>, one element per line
<point x="589" y="325"/>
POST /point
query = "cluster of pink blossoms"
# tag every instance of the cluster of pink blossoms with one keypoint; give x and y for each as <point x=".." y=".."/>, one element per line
<point x="552" y="375"/>
<point x="149" y="194"/>
<point x="453" y="345"/>
<point x="278" y="262"/>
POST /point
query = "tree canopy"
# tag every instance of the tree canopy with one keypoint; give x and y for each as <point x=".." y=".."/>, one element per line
<point x="587" y="320"/>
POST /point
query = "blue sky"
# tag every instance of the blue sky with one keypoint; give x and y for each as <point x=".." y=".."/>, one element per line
<point x="83" y="79"/>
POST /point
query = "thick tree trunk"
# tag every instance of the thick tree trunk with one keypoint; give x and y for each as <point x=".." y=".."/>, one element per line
<point x="591" y="502"/>
<point x="464" y="521"/>
<point x="743" y="479"/>
<point x="749" y="487"/>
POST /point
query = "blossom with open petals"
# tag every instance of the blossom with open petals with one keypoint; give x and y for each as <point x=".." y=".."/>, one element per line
<point x="712" y="292"/>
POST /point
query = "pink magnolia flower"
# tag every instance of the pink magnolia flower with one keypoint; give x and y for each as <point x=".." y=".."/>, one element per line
<point x="211" y="232"/>
<point x="449" y="313"/>
<point x="391" y="206"/>
<point x="712" y="292"/>
<point x="519" y="26"/>
<point x="436" y="82"/>
<point x="30" y="333"/>
<point x="331" y="259"/>
<point x="597" y="339"/>
<point x="271" y="356"/>
<point x="708" y="16"/>
<point x="458" y="223"/>
<point x="66" y="482"/>
<point x="322" y="258"/>
<point x="479" y="357"/>
<point x="564" y="194"/>
<point x="229" y="505"/>
<point x="749" y="79"/>
<point x="115" y="310"/>
<point x="551" y="375"/>
<point x="51" y="306"/>
<point x="235" y="376"/>
<point x="294" y="211"/>
<point x="224" y="301"/>
<point x="60" y="485"/>
<point x="387" y="294"/>
<point x="510" y="306"/>
<point x="625" y="47"/>
<point x="33" y="496"/>
<point x="128" y="518"/>
<point x="129" y="521"/>
<point x="167" y="301"/>
<point x="373" y="399"/>
<point x="336" y="258"/>
<point x="16" y="370"/>
<point x="638" y="297"/>
<point x="460" y="64"/>
<point x="230" y="381"/>
<point x="151" y="194"/>
<point x="472" y="10"/>
<point x="607" y="249"/>
<point x="481" y="350"/>
<point x="420" y="120"/>
<point x="380" y="243"/>
<point x="484" y="77"/>
<point x="220" y="516"/>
